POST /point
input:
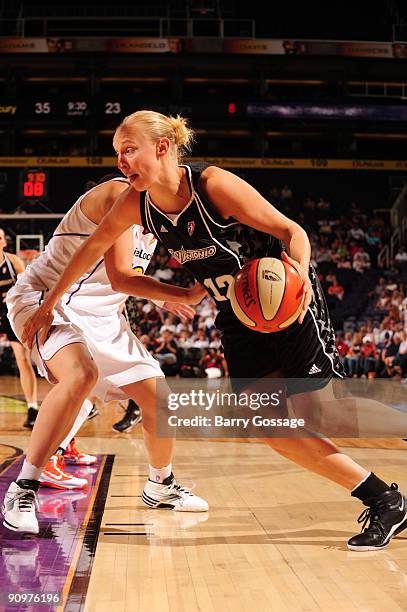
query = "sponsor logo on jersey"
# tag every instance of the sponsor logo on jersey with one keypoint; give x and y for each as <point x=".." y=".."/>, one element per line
<point x="271" y="276"/>
<point x="183" y="255"/>
<point x="191" y="227"/>
<point x="142" y="254"/>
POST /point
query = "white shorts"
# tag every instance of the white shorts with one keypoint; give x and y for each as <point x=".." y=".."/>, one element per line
<point x="121" y="358"/>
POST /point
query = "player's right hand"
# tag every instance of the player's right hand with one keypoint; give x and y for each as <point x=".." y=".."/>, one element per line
<point x="41" y="322"/>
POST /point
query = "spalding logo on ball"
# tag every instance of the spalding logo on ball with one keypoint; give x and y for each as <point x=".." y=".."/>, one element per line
<point x="267" y="295"/>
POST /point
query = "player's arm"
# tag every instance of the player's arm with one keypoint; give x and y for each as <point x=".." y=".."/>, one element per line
<point x="121" y="216"/>
<point x="125" y="279"/>
<point x="234" y="197"/>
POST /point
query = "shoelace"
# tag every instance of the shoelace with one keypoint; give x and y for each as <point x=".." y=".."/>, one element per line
<point x="72" y="450"/>
<point x="60" y="463"/>
<point x="372" y="514"/>
<point x="26" y="500"/>
<point x="179" y="490"/>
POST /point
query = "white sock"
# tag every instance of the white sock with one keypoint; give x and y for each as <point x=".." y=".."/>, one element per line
<point x="32" y="405"/>
<point x="159" y="474"/>
<point x="29" y="471"/>
<point x="79" y="421"/>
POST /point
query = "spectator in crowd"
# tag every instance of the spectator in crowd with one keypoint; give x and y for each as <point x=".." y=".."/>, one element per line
<point x="341" y="345"/>
<point x="286" y="192"/>
<point x="336" y="289"/>
<point x="351" y="360"/>
<point x="166" y="351"/>
<point x="361" y="261"/>
<point x="368" y="357"/>
<point x="201" y="341"/>
<point x="401" y="255"/>
<point x="213" y="364"/>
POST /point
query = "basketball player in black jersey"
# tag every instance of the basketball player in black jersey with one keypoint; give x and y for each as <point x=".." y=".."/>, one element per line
<point x="212" y="222"/>
<point x="10" y="266"/>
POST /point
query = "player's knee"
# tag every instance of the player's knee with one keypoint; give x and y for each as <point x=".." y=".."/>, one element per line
<point x="85" y="375"/>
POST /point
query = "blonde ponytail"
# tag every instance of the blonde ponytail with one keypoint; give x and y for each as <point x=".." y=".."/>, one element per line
<point x="156" y="126"/>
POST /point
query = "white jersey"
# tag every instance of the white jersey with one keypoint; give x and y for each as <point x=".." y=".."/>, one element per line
<point x="93" y="291"/>
<point x="88" y="312"/>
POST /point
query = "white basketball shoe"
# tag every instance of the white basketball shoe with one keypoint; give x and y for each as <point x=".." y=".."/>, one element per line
<point x="19" y="505"/>
<point x="172" y="496"/>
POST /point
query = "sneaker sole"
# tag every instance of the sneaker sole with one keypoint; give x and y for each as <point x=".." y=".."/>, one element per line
<point x="367" y="548"/>
<point x="53" y="485"/>
<point x="127" y="430"/>
<point x="156" y="505"/>
<point x="71" y="462"/>
<point x="13" y="528"/>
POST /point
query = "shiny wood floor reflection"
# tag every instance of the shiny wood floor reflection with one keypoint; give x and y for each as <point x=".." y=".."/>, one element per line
<point x="274" y="538"/>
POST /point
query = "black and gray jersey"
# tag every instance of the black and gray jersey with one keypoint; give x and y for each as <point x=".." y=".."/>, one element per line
<point x="8" y="277"/>
<point x="213" y="249"/>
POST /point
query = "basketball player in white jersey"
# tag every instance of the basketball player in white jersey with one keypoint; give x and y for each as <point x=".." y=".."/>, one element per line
<point x="91" y="349"/>
<point x="10" y="266"/>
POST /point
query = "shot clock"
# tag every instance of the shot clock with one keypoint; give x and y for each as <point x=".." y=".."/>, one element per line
<point x="33" y="185"/>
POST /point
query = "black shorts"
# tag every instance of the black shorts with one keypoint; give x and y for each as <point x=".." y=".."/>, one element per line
<point x="305" y="354"/>
<point x="5" y="328"/>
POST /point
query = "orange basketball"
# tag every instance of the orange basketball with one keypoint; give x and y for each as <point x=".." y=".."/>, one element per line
<point x="267" y="295"/>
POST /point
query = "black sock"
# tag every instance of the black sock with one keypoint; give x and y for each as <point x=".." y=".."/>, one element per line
<point x="370" y="489"/>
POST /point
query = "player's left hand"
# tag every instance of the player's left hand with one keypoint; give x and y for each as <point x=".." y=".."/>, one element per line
<point x="40" y="321"/>
<point x="183" y="311"/>
<point x="307" y="284"/>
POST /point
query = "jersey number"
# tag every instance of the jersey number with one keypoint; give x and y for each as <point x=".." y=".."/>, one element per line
<point x="217" y="287"/>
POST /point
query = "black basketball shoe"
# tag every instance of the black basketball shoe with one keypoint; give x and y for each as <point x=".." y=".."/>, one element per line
<point x="387" y="516"/>
<point x="30" y="418"/>
<point x="93" y="413"/>
<point x="131" y="418"/>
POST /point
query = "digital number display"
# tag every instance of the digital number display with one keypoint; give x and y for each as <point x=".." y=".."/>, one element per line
<point x="78" y="108"/>
<point x="113" y="108"/>
<point x="33" y="185"/>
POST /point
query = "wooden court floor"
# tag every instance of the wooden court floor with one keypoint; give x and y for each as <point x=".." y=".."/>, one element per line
<point x="273" y="539"/>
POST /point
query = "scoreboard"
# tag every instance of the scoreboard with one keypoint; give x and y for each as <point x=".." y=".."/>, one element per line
<point x="48" y="108"/>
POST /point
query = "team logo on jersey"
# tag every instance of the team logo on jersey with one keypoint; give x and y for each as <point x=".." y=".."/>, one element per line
<point x="191" y="227"/>
<point x="182" y="256"/>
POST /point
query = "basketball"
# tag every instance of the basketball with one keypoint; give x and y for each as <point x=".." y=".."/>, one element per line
<point x="267" y="295"/>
